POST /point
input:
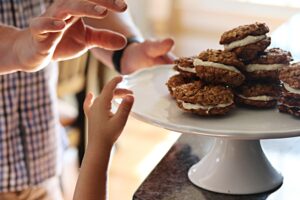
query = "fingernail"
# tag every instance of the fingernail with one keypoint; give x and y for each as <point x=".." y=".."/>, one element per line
<point x="58" y="23"/>
<point x="128" y="98"/>
<point x="120" y="3"/>
<point x="100" y="9"/>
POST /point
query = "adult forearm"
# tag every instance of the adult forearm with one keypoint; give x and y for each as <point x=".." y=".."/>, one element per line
<point x="8" y="55"/>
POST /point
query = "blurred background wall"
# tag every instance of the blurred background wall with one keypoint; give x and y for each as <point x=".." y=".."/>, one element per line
<point x="198" y="24"/>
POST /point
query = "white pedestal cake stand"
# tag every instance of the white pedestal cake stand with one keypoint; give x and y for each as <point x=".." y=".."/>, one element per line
<point x="236" y="163"/>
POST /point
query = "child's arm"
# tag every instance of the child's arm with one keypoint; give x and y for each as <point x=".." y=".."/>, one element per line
<point x="104" y="129"/>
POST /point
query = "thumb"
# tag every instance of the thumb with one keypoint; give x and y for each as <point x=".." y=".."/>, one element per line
<point x="88" y="102"/>
<point x="158" y="48"/>
<point x="123" y="111"/>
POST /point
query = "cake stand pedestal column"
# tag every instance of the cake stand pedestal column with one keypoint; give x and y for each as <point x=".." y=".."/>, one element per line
<point x="235" y="167"/>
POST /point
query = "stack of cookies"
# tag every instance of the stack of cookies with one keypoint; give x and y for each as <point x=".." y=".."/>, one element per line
<point x="245" y="72"/>
<point x="261" y="88"/>
<point x="289" y="101"/>
<point x="201" y="86"/>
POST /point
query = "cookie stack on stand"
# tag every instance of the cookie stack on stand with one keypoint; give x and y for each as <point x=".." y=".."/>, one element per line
<point x="201" y="86"/>
<point x="249" y="42"/>
<point x="289" y="101"/>
<point x="245" y="73"/>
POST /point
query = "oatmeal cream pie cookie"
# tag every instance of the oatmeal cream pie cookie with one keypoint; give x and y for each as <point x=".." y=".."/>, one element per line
<point x="178" y="80"/>
<point x="246" y="41"/>
<point x="289" y="101"/>
<point x="219" y="67"/>
<point x="205" y="100"/>
<point x="185" y="66"/>
<point x="257" y="95"/>
<point x="267" y="65"/>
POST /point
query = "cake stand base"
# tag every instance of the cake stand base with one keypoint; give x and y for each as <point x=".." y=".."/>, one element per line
<point x="235" y="167"/>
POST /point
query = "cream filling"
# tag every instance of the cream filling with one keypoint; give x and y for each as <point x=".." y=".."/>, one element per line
<point x="216" y="65"/>
<point x="187" y="69"/>
<point x="266" y="67"/>
<point x="288" y="105"/>
<point x="243" y="42"/>
<point x="190" y="106"/>
<point x="290" y="89"/>
<point x="258" y="98"/>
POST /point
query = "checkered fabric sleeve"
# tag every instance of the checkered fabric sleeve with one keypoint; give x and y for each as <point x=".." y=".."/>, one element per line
<point x="28" y="131"/>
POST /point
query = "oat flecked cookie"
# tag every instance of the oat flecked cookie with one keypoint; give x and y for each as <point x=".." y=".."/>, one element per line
<point x="219" y="67"/>
<point x="289" y="101"/>
<point x="205" y="100"/>
<point x="185" y="66"/>
<point x="247" y="41"/>
<point x="267" y="65"/>
<point x="179" y="79"/>
<point x="257" y="95"/>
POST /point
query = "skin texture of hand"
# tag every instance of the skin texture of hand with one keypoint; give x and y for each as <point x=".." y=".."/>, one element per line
<point x="104" y="129"/>
<point x="146" y="54"/>
<point x="103" y="125"/>
<point x="61" y="34"/>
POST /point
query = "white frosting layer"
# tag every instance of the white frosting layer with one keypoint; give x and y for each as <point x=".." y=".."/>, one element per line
<point x="187" y="69"/>
<point x="190" y="106"/>
<point x="216" y="65"/>
<point x="289" y="105"/>
<point x="290" y="89"/>
<point x="266" y="67"/>
<point x="243" y="42"/>
<point x="258" y="98"/>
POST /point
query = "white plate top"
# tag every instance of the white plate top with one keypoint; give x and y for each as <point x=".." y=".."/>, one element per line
<point x="154" y="105"/>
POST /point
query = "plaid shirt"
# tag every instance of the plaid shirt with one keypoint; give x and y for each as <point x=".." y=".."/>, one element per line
<point x="28" y="123"/>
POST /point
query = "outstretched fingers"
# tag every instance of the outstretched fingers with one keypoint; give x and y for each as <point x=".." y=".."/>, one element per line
<point x="123" y="111"/>
<point x="64" y="9"/>
<point x="121" y="92"/>
<point x="104" y="39"/>
<point x="107" y="93"/>
<point x="158" y="48"/>
<point x="88" y="102"/>
<point x="43" y="25"/>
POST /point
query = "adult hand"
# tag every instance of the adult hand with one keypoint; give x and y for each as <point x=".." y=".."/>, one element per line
<point x="147" y="54"/>
<point x="61" y="34"/>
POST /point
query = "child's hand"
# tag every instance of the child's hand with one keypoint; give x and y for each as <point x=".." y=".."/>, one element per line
<point x="103" y="125"/>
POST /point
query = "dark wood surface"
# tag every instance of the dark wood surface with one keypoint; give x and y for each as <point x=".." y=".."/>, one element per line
<point x="169" y="181"/>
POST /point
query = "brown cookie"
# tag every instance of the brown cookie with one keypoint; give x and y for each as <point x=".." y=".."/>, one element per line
<point x="289" y="101"/>
<point x="274" y="56"/>
<point x="287" y="94"/>
<point x="257" y="95"/>
<point x="243" y="31"/>
<point x="185" y="66"/>
<point x="250" y="51"/>
<point x="290" y="76"/>
<point x="246" y="41"/>
<point x="204" y="100"/>
<point x="178" y="80"/>
<point x="266" y="66"/>
<point x="295" y="111"/>
<point x="219" y="67"/>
